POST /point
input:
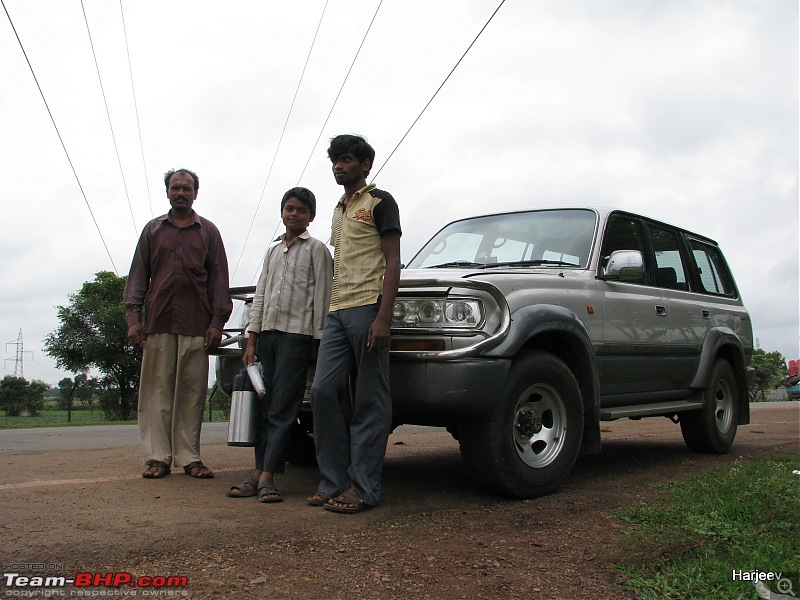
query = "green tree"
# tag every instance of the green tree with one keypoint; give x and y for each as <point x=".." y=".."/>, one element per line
<point x="770" y="372"/>
<point x="82" y="388"/>
<point x="20" y="398"/>
<point x="94" y="334"/>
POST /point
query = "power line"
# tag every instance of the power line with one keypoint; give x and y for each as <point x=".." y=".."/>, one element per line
<point x="340" y="92"/>
<point x="108" y="114"/>
<point x="330" y="112"/>
<point x="278" y="147"/>
<point x="58" y="133"/>
<point x="136" y="108"/>
<point x="438" y="90"/>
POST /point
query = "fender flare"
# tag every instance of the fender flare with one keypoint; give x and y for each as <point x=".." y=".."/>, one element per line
<point x="558" y="330"/>
<point x="722" y="342"/>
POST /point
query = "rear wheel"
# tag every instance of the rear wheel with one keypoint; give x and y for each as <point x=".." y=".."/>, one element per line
<point x="712" y="429"/>
<point x="530" y="443"/>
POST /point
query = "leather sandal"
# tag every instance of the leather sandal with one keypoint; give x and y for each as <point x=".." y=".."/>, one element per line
<point x="156" y="469"/>
<point x="198" y="470"/>
<point x="348" y="503"/>
<point x="246" y="489"/>
<point x="268" y="493"/>
<point x="318" y="499"/>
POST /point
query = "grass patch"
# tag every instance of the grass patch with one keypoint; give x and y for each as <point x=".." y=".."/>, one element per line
<point x="58" y="418"/>
<point x="688" y="543"/>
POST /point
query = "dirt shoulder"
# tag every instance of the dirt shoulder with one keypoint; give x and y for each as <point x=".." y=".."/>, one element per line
<point x="81" y="503"/>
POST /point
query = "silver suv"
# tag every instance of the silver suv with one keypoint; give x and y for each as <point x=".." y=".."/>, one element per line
<point x="520" y="332"/>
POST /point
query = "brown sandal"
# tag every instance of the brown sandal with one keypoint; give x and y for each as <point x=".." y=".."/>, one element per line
<point x="319" y="499"/>
<point x="198" y="470"/>
<point x="156" y="469"/>
<point x="348" y="502"/>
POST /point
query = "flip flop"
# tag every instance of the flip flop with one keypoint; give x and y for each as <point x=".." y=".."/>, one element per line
<point x="268" y="493"/>
<point x="246" y="489"/>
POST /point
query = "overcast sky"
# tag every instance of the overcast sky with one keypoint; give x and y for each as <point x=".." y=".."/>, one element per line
<point x="686" y="111"/>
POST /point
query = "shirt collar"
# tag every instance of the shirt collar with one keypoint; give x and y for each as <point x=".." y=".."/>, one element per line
<point x="303" y="236"/>
<point x="168" y="217"/>
<point x="367" y="188"/>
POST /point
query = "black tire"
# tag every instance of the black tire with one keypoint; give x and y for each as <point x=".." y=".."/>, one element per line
<point x="301" y="450"/>
<point x="530" y="444"/>
<point x="712" y="429"/>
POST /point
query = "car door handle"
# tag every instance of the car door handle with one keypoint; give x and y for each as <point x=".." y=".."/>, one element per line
<point x="661" y="311"/>
<point x="706" y="313"/>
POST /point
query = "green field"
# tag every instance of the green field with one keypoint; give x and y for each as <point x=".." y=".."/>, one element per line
<point x="59" y="418"/>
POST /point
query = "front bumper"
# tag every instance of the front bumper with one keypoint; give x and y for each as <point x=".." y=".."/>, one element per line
<point x="463" y="387"/>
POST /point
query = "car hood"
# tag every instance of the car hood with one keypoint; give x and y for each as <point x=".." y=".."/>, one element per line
<point x="482" y="274"/>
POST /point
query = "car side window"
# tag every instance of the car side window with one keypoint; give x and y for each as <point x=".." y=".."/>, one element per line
<point x="714" y="275"/>
<point x="623" y="233"/>
<point x="670" y="272"/>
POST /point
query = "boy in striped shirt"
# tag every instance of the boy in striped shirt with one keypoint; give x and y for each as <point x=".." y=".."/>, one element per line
<point x="286" y="316"/>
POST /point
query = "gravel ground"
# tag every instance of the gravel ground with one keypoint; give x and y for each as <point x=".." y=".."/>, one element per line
<point x="84" y="507"/>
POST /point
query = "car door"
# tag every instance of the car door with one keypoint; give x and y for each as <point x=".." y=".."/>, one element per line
<point x="635" y="343"/>
<point x="689" y="315"/>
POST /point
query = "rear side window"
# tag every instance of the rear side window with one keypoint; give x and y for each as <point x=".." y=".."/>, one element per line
<point x="714" y="275"/>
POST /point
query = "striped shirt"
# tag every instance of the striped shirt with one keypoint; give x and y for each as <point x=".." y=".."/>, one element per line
<point x="356" y="230"/>
<point x="294" y="288"/>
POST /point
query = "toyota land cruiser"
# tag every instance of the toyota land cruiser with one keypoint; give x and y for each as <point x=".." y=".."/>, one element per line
<point x="520" y="332"/>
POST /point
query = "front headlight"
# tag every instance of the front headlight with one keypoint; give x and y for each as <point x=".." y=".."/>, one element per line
<point x="438" y="313"/>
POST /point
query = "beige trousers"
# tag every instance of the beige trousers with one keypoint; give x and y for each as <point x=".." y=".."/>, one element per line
<point x="172" y="395"/>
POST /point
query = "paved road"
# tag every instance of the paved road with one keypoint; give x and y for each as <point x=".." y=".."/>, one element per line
<point x="90" y="437"/>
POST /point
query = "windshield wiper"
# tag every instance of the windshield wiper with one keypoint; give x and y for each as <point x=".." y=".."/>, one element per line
<point x="532" y="263"/>
<point x="457" y="263"/>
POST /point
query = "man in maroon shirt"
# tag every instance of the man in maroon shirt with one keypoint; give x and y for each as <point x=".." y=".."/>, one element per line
<point x="179" y="274"/>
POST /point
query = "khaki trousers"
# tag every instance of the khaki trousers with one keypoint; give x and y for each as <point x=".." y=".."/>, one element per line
<point x="172" y="395"/>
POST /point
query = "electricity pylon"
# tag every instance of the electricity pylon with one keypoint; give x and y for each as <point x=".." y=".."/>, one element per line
<point x="19" y="367"/>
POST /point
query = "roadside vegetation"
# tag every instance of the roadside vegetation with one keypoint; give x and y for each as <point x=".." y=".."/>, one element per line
<point x="770" y="375"/>
<point x="688" y="543"/>
<point x="51" y="413"/>
<point x="92" y="338"/>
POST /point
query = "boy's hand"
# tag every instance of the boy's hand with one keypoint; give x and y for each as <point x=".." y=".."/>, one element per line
<point x="378" y="336"/>
<point x="249" y="356"/>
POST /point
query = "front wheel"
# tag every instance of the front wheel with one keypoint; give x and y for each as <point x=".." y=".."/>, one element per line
<point x="713" y="428"/>
<point x="531" y="441"/>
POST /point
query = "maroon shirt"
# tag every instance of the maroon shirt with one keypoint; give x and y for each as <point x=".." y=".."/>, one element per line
<point x="181" y="275"/>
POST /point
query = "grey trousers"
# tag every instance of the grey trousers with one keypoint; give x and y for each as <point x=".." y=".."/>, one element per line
<point x="351" y="433"/>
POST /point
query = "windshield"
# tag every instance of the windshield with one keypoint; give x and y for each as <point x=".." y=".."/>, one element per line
<point x="546" y="237"/>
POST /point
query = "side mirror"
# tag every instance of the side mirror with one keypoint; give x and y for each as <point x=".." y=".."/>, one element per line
<point x="624" y="265"/>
